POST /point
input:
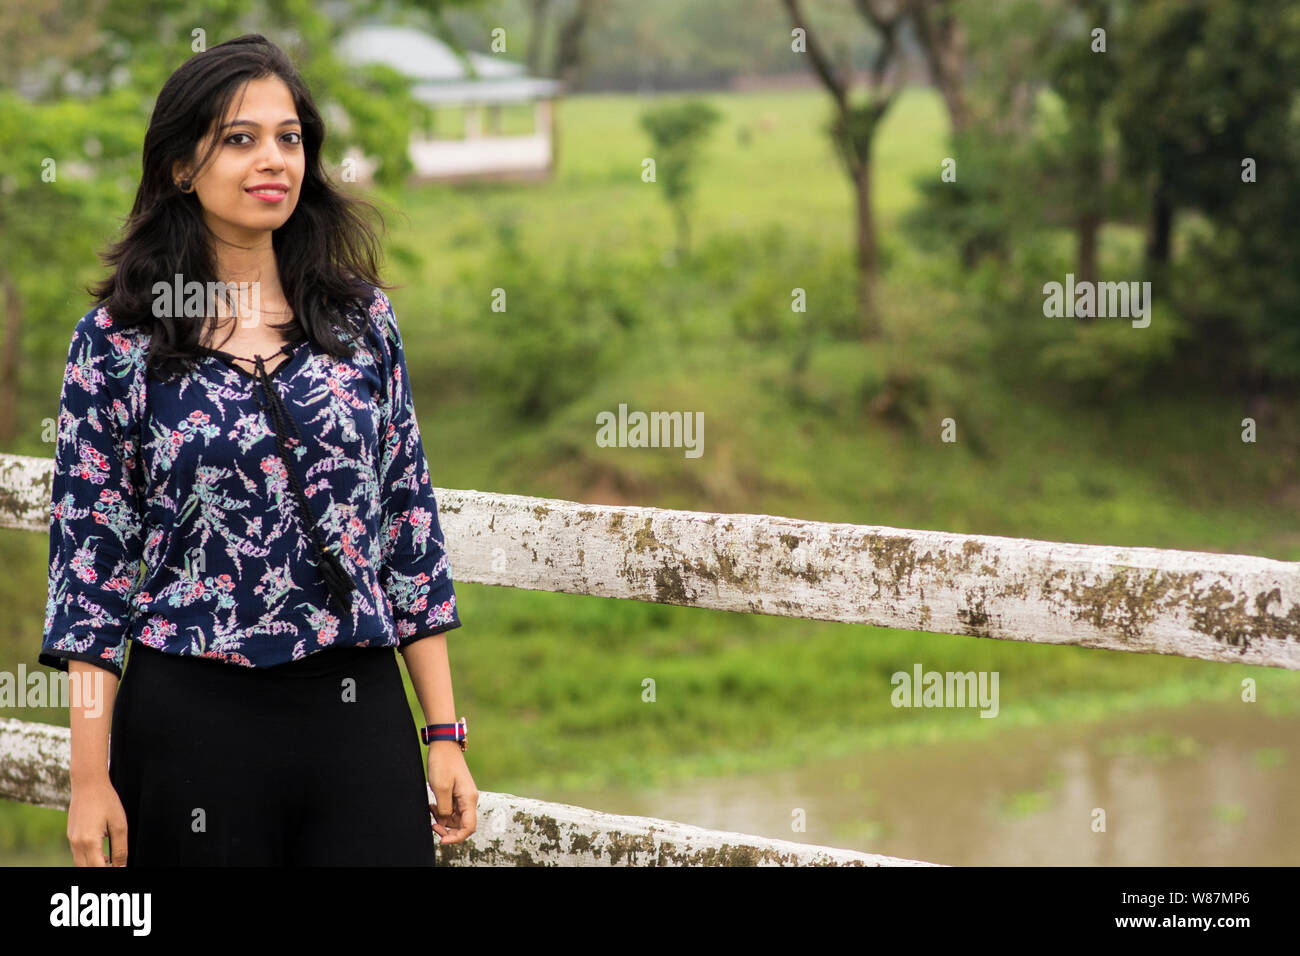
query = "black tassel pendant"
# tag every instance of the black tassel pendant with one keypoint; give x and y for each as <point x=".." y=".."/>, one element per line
<point x="338" y="581"/>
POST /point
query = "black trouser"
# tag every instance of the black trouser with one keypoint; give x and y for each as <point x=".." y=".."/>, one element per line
<point x="315" y="762"/>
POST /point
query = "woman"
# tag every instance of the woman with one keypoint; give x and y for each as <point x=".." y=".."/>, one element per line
<point x="272" y="490"/>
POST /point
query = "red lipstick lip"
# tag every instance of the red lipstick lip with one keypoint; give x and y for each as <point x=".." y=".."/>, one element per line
<point x="277" y="192"/>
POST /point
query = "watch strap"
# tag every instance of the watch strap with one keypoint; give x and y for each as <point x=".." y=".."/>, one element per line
<point x="458" y="731"/>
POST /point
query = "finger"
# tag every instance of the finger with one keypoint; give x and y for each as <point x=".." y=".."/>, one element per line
<point x="449" y="816"/>
<point x="444" y="806"/>
<point x="469" y="819"/>
<point x="456" y="828"/>
<point x="89" y="854"/>
<point x="117" y="842"/>
<point x="467" y="803"/>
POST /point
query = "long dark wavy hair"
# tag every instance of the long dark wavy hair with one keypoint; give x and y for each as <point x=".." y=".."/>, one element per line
<point x="325" y="252"/>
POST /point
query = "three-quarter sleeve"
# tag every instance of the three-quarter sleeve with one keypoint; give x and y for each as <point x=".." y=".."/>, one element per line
<point x="415" y="572"/>
<point x="95" y="513"/>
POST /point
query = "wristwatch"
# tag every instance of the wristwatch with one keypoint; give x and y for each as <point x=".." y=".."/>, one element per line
<point x="457" y="732"/>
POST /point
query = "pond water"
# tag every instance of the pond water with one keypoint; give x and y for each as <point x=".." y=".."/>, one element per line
<point x="1210" y="786"/>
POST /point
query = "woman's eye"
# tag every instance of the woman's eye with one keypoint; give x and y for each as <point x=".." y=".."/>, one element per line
<point x="231" y="139"/>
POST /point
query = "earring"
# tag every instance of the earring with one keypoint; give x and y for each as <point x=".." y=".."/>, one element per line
<point x="185" y="186"/>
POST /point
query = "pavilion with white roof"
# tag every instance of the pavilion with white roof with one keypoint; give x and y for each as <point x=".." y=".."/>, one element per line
<point x="441" y="79"/>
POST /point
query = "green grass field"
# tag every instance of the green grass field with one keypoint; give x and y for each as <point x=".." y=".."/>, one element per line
<point x="553" y="683"/>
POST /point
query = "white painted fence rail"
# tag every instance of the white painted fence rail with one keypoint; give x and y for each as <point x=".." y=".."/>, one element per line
<point x="1218" y="607"/>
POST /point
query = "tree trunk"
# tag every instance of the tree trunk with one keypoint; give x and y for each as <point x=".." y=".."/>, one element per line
<point x="1162" y="223"/>
<point x="569" y="53"/>
<point x="11" y="360"/>
<point x="683" y="232"/>
<point x="942" y="40"/>
<point x="855" y="127"/>
<point x="1087" y="227"/>
<point x="536" y="34"/>
<point x="867" y="319"/>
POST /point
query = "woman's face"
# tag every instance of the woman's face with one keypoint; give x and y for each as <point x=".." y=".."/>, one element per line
<point x="260" y="143"/>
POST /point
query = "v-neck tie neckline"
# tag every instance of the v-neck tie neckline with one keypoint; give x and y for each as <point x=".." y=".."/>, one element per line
<point x="337" y="579"/>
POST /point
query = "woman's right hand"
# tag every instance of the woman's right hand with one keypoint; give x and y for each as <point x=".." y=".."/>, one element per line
<point x="94" y="812"/>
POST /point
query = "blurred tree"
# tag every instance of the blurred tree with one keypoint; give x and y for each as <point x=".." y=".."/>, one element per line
<point x="38" y="35"/>
<point x="1084" y="75"/>
<point x="1207" y="86"/>
<point x="999" y="194"/>
<point x="1188" y="125"/>
<point x="569" y="60"/>
<point x="853" y="128"/>
<point x="1206" y="83"/>
<point x="53" y="213"/>
<point x="942" y="36"/>
<point x="678" y="131"/>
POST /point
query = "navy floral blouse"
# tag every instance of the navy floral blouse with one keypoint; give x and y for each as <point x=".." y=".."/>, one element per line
<point x="252" y="518"/>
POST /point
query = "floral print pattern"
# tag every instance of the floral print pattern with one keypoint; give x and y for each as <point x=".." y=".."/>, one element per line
<point x="172" y="522"/>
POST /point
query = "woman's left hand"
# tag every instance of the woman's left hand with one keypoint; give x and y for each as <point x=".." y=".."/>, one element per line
<point x="455" y="815"/>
